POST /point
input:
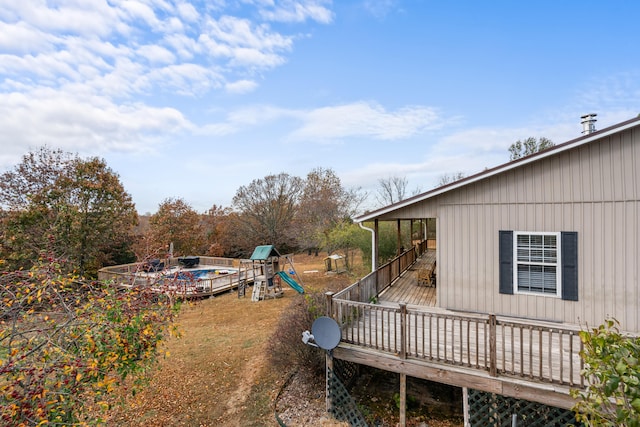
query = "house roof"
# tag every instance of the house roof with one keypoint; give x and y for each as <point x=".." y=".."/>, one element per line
<point x="552" y="151"/>
<point x="264" y="252"/>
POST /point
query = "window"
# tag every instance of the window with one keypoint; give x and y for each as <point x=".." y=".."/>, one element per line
<point x="537" y="263"/>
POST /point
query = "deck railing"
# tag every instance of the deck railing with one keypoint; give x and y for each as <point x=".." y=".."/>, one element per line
<point x="502" y="346"/>
<point x="369" y="287"/>
<point x="132" y="275"/>
<point x="170" y="262"/>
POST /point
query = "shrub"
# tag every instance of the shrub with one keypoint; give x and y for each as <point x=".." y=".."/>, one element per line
<point x="612" y="366"/>
<point x="286" y="350"/>
<point x="66" y="344"/>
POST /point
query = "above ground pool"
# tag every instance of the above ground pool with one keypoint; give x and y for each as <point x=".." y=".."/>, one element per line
<point x="198" y="273"/>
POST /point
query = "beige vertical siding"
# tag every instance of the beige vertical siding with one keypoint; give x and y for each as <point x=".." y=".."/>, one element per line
<point x="593" y="189"/>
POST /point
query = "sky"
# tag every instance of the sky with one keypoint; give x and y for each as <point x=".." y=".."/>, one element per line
<point x="194" y="99"/>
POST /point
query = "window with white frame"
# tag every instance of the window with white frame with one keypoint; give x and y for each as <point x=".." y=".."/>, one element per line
<point x="537" y="263"/>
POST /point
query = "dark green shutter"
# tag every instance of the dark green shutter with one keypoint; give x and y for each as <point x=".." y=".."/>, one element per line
<point x="569" y="265"/>
<point x="506" y="262"/>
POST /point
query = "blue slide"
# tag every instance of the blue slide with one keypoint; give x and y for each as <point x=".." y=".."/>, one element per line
<point x="295" y="285"/>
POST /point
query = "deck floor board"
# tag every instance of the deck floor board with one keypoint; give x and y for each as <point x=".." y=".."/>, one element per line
<point x="406" y="288"/>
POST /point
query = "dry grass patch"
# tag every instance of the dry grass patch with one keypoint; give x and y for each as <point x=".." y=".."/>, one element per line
<point x="211" y="369"/>
<point x="217" y="373"/>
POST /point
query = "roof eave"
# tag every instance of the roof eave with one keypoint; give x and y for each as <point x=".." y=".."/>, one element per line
<point x="501" y="169"/>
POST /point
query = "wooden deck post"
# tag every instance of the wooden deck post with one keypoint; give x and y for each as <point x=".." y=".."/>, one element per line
<point x="403" y="355"/>
<point x="329" y="296"/>
<point x="376" y="252"/>
<point x="403" y="400"/>
<point x="329" y="356"/>
<point x="465" y="406"/>
<point x="328" y="368"/>
<point x="399" y="238"/>
<point x="493" y="348"/>
<point x="403" y="330"/>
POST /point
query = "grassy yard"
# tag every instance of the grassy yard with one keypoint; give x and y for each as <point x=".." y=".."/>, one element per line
<point x="217" y="373"/>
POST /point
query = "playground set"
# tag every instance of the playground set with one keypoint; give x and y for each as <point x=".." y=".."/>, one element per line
<point x="268" y="274"/>
<point x="202" y="276"/>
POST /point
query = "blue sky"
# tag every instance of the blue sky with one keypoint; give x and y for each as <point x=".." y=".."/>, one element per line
<point x="194" y="99"/>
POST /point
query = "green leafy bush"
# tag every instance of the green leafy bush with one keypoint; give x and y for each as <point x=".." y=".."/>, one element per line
<point x="612" y="367"/>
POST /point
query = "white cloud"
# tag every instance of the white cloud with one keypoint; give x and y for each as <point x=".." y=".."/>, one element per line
<point x="298" y="11"/>
<point x="76" y="123"/>
<point x="156" y="54"/>
<point x="185" y="47"/>
<point x="20" y="38"/>
<point x="185" y="79"/>
<point x="379" y="8"/>
<point x="187" y="12"/>
<point x="241" y="86"/>
<point x="244" y="119"/>
<point x="332" y="124"/>
<point x="139" y="11"/>
<point x="364" y="119"/>
<point x="244" y="44"/>
<point x="108" y="46"/>
<point x="613" y="97"/>
<point x="77" y="74"/>
<point x="72" y="17"/>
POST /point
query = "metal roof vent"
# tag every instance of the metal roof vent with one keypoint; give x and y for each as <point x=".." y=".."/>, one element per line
<point x="588" y="123"/>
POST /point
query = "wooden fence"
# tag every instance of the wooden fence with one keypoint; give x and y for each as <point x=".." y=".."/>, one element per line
<point x="106" y="273"/>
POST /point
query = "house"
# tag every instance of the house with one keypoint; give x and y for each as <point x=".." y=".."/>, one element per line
<point x="546" y="242"/>
<point x="572" y="210"/>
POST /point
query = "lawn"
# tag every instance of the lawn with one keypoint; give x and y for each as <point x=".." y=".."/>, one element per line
<point x="217" y="372"/>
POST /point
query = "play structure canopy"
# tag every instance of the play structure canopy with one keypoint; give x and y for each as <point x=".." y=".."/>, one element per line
<point x="264" y="252"/>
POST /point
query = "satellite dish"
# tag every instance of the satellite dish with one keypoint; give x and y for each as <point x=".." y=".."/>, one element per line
<point x="326" y="333"/>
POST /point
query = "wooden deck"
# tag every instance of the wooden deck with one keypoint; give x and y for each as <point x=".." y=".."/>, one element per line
<point x="404" y="331"/>
<point x="131" y="275"/>
<point x="407" y="289"/>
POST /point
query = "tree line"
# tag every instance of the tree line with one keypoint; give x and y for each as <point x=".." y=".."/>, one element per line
<point x="75" y="208"/>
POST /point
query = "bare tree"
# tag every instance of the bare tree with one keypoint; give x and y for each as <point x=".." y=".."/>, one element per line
<point x="323" y="204"/>
<point x="266" y="209"/>
<point x="392" y="189"/>
<point x="529" y="146"/>
<point x="448" y="178"/>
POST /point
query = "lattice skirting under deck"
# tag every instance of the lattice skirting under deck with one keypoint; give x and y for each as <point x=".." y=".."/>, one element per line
<point x="493" y="410"/>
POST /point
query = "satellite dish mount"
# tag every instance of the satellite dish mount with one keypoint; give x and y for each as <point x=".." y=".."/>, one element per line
<point x="325" y="333"/>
